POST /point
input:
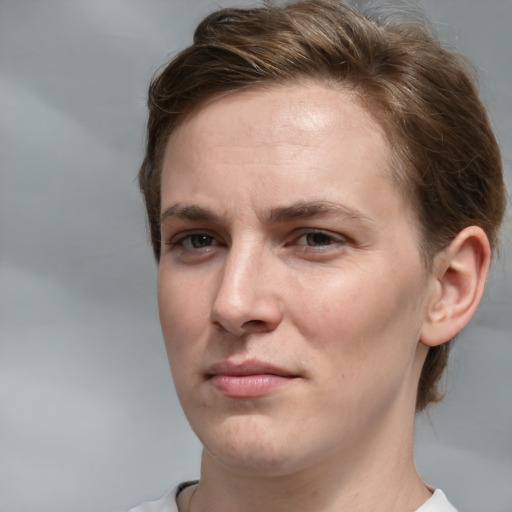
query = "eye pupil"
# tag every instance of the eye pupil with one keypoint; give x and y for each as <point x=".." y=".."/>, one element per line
<point x="198" y="241"/>
<point x="318" y="239"/>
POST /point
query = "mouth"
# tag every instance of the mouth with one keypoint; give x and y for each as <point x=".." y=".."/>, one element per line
<point x="249" y="379"/>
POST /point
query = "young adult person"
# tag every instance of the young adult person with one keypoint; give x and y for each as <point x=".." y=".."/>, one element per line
<point x="324" y="193"/>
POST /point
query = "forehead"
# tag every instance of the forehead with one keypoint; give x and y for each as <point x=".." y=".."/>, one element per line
<point x="291" y="113"/>
<point x="294" y="140"/>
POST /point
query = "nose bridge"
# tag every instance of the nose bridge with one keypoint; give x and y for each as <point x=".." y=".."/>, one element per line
<point x="245" y="299"/>
<point x="242" y="266"/>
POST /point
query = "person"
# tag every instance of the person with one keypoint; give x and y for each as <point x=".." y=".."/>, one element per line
<point x="324" y="194"/>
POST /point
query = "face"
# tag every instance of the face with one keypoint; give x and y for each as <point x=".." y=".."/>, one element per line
<point x="291" y="289"/>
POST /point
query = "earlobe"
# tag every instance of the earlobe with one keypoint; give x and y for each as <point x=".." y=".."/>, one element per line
<point x="459" y="273"/>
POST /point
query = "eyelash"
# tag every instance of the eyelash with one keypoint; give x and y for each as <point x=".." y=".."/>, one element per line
<point x="180" y="241"/>
<point x="327" y="237"/>
<point x="185" y="241"/>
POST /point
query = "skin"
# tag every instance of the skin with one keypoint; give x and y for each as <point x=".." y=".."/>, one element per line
<point x="285" y="241"/>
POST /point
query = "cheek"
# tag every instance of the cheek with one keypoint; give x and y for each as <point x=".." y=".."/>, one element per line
<point x="182" y="315"/>
<point x="183" y="312"/>
<point x="364" y="322"/>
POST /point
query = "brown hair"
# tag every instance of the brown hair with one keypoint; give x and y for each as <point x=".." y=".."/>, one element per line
<point x="445" y="156"/>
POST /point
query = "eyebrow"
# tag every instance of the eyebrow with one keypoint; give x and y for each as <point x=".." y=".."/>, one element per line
<point x="299" y="210"/>
<point x="304" y="210"/>
<point x="189" y="212"/>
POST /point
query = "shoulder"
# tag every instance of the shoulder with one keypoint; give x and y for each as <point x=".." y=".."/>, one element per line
<point x="167" y="503"/>
<point x="437" y="503"/>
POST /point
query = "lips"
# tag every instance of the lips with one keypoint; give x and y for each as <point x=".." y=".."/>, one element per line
<point x="249" y="379"/>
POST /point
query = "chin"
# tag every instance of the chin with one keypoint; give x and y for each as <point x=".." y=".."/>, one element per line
<point x="249" y="446"/>
<point x="253" y="461"/>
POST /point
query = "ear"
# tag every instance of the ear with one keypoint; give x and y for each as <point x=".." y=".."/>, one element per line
<point x="458" y="279"/>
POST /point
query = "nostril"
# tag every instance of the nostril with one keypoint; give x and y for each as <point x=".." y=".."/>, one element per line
<point x="218" y="326"/>
<point x="255" y="325"/>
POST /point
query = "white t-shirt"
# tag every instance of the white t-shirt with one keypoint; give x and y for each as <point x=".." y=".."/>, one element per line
<point x="437" y="503"/>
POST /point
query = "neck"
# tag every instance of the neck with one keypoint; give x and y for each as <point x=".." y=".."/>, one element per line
<point x="374" y="474"/>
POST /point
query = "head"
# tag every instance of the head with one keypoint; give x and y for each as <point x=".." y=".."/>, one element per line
<point x="442" y="153"/>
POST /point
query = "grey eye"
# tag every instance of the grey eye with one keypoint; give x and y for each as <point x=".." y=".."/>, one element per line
<point x="318" y="239"/>
<point x="198" y="241"/>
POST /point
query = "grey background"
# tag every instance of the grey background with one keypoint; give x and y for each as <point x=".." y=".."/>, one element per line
<point x="88" y="417"/>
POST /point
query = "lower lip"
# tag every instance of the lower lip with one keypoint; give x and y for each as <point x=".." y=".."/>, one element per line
<point x="248" y="386"/>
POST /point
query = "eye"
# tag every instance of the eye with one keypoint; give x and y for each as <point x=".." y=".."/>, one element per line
<point x="191" y="247"/>
<point x="194" y="241"/>
<point x="319" y="239"/>
<point x="197" y="241"/>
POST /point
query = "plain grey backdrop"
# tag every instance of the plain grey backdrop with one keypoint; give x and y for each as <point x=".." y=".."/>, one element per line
<point x="88" y="417"/>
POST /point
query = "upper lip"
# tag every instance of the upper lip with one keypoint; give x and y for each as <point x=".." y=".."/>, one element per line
<point x="247" y="367"/>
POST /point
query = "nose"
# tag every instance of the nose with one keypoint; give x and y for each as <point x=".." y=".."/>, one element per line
<point x="247" y="299"/>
